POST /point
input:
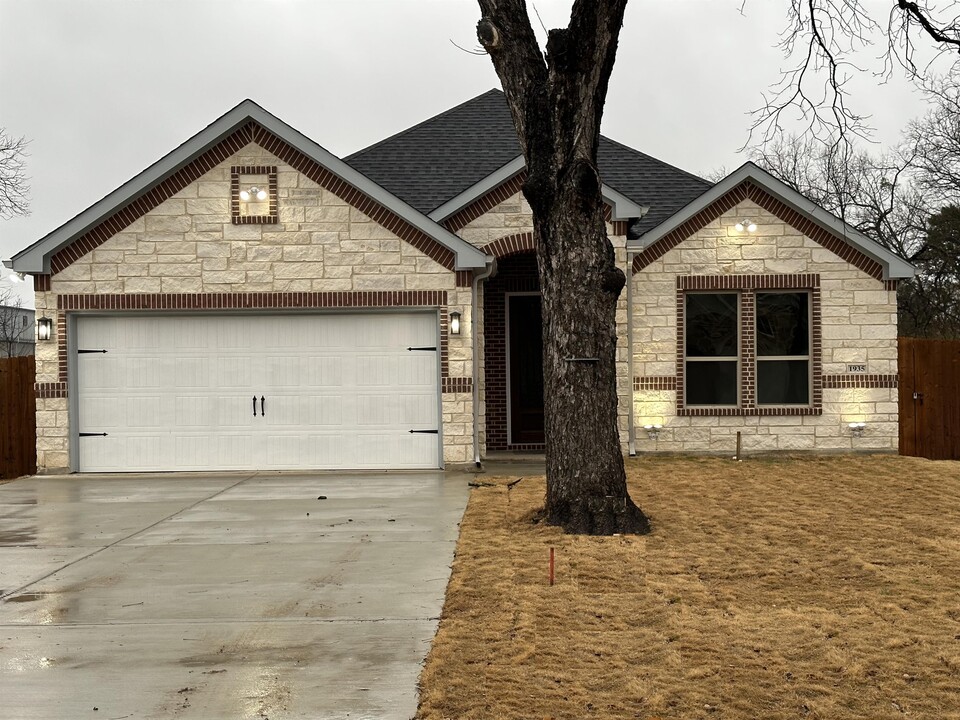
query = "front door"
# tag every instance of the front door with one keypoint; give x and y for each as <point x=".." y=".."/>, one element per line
<point x="525" y="363"/>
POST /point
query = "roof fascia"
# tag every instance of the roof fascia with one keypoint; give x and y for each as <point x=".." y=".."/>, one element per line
<point x="894" y="267"/>
<point x="622" y="207"/>
<point x="36" y="258"/>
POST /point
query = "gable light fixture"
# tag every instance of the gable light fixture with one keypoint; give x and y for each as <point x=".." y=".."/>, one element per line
<point x="746" y="224"/>
<point x="253" y="192"/>
<point x="44" y="328"/>
<point x="454" y="323"/>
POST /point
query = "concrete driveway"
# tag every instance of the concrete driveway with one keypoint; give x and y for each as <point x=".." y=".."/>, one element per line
<point x="222" y="596"/>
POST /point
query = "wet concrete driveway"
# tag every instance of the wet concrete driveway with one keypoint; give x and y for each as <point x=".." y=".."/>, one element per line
<point x="234" y="596"/>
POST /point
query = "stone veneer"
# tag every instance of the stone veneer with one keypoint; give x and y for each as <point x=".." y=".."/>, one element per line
<point x="189" y="245"/>
<point x="858" y="325"/>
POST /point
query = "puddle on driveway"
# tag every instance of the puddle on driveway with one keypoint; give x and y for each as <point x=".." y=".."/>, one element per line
<point x="26" y="597"/>
<point x="19" y="537"/>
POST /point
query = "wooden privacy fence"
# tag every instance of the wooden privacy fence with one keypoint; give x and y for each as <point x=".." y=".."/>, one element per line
<point x="930" y="398"/>
<point x="18" y="417"/>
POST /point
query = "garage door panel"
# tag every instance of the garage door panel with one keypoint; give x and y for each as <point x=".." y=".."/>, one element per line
<point x="340" y="391"/>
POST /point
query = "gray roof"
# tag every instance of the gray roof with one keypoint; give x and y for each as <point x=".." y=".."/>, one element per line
<point x="431" y="163"/>
<point x="36" y="258"/>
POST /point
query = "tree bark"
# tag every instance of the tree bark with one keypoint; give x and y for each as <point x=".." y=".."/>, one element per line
<point x="557" y="104"/>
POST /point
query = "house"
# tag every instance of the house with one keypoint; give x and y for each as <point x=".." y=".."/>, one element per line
<point x="252" y="301"/>
<point x="16" y="331"/>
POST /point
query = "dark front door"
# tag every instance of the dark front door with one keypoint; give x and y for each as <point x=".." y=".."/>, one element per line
<point x="526" y="369"/>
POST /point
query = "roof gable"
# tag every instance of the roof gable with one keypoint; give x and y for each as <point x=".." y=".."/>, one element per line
<point x="245" y="123"/>
<point x="449" y="156"/>
<point x="751" y="182"/>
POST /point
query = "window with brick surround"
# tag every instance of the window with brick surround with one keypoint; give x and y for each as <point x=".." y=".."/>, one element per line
<point x="749" y="345"/>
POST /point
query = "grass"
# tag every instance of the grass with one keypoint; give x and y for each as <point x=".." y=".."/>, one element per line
<point x="769" y="589"/>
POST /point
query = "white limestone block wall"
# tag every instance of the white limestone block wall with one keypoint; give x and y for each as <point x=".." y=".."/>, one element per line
<point x="859" y="326"/>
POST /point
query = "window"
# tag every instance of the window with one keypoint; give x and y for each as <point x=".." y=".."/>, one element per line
<point x="24" y="321"/>
<point x="783" y="348"/>
<point x="749" y="345"/>
<point x="712" y="348"/>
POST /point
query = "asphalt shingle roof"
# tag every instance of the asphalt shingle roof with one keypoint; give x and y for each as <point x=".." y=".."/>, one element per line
<point x="432" y="162"/>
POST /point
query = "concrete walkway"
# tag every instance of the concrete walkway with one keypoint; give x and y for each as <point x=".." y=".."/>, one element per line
<point x="222" y="596"/>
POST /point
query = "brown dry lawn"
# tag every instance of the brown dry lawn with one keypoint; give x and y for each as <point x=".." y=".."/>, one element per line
<point x="769" y="589"/>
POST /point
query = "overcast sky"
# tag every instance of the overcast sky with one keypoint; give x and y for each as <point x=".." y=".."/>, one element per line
<point x="104" y="88"/>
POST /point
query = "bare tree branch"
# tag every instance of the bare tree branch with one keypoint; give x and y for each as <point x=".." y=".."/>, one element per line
<point x="13" y="177"/>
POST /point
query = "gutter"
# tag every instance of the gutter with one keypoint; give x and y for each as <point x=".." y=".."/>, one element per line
<point x="491" y="268"/>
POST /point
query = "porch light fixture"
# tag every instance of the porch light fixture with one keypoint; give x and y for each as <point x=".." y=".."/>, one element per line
<point x="747" y="224"/>
<point x="454" y="323"/>
<point x="653" y="431"/>
<point x="44" y="328"/>
<point x="857" y="428"/>
<point x="254" y="192"/>
<point x="17" y="277"/>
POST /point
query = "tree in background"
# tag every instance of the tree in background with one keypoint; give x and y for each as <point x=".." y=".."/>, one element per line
<point x="13" y="178"/>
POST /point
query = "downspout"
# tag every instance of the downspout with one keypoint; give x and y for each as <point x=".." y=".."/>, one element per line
<point x="474" y="328"/>
<point x="631" y="420"/>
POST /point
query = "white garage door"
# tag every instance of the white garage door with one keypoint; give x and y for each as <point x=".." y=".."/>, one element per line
<point x="257" y="392"/>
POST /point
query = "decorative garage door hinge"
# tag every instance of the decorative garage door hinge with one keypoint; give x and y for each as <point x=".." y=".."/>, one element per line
<point x="427" y="432"/>
<point x="432" y="349"/>
<point x="93" y="434"/>
<point x="81" y="352"/>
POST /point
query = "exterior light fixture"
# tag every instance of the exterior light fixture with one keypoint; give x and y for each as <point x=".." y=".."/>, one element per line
<point x="748" y="225"/>
<point x="17" y="277"/>
<point x="857" y="428"/>
<point x="44" y="328"/>
<point x="454" y="323"/>
<point x="653" y="431"/>
<point x="253" y="192"/>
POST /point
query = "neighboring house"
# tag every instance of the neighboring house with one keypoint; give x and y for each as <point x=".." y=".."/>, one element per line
<point x="252" y="301"/>
<point x="16" y="331"/>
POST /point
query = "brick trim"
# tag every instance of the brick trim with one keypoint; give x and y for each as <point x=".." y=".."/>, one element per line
<point x="748" y="284"/>
<point x="261" y="301"/>
<point x="511" y="245"/>
<point x="140" y="206"/>
<point x="457" y="385"/>
<point x="891" y="285"/>
<point x="526" y="447"/>
<point x="464" y="278"/>
<point x="856" y="380"/>
<point x="478" y="207"/>
<point x="50" y="389"/>
<point x="748" y="191"/>
<point x="349" y="194"/>
<point x="654" y="382"/>
<point x="251" y="132"/>
<point x="236" y="172"/>
<point x="41" y="283"/>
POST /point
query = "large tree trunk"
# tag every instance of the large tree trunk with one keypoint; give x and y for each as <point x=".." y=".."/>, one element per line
<point x="557" y="104"/>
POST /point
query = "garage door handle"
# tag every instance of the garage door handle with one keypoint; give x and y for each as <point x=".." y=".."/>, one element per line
<point x="254" y="405"/>
<point x="263" y="411"/>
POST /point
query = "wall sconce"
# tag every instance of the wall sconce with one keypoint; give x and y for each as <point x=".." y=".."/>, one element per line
<point x="747" y="224"/>
<point x="44" y="328"/>
<point x="253" y="192"/>
<point x="653" y="431"/>
<point x="857" y="428"/>
<point x="454" y="323"/>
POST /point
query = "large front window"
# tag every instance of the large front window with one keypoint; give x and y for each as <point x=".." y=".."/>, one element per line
<point x="750" y="348"/>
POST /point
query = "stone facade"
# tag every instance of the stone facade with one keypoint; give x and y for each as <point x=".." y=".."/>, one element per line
<point x="188" y="244"/>
<point x="858" y="325"/>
